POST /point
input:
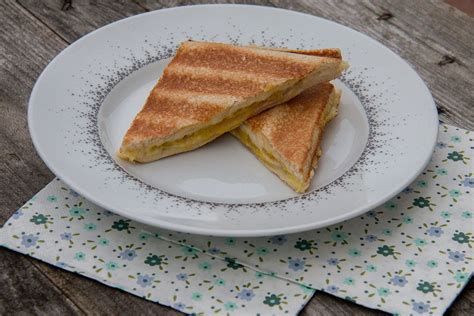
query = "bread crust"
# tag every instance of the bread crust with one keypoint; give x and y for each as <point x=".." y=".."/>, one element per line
<point x="207" y="82"/>
<point x="292" y="131"/>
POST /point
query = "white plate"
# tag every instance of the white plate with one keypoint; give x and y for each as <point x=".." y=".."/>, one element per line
<point x="85" y="99"/>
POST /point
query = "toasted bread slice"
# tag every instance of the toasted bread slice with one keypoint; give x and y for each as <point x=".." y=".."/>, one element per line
<point x="209" y="89"/>
<point x="286" y="138"/>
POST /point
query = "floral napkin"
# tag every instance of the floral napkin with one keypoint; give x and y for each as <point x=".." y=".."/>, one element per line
<point x="411" y="256"/>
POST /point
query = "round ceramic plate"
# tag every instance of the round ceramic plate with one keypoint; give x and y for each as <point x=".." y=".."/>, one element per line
<point x="86" y="98"/>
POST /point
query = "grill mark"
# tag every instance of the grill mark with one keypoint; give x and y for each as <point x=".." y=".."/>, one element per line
<point x="221" y="100"/>
<point x="143" y="128"/>
<point x="232" y="58"/>
<point x="212" y="84"/>
<point x="239" y="75"/>
<point x="168" y="107"/>
<point x="278" y="124"/>
<point x="164" y="114"/>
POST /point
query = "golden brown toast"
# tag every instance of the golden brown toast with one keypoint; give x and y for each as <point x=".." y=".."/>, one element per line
<point x="209" y="89"/>
<point x="287" y="137"/>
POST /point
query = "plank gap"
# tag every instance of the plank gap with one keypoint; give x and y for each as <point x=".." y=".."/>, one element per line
<point x="144" y="7"/>
<point x="37" y="264"/>
<point x="42" y="22"/>
<point x="385" y="16"/>
<point x="67" y="5"/>
<point x="447" y="59"/>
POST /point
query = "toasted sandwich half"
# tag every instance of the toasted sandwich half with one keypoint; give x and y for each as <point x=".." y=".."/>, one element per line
<point x="209" y="89"/>
<point x="286" y="138"/>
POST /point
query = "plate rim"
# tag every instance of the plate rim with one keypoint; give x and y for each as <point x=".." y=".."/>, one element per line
<point x="236" y="232"/>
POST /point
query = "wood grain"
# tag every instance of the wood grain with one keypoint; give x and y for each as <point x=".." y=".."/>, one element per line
<point x="26" y="291"/>
<point x="34" y="32"/>
<point x="19" y="161"/>
<point x="95" y="298"/>
<point x="81" y="17"/>
<point x="21" y="171"/>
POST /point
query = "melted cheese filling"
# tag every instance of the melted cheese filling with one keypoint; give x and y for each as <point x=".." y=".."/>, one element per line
<point x="210" y="131"/>
<point x="270" y="161"/>
<point x="273" y="163"/>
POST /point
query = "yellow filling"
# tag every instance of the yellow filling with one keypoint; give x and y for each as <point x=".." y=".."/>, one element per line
<point x="275" y="165"/>
<point x="209" y="132"/>
<point x="271" y="162"/>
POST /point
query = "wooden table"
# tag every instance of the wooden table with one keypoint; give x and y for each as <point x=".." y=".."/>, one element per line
<point x="435" y="38"/>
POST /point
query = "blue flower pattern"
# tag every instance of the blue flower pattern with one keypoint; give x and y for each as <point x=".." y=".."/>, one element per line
<point x="379" y="259"/>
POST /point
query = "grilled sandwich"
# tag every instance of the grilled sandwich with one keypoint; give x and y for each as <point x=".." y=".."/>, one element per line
<point x="286" y="138"/>
<point x="209" y="89"/>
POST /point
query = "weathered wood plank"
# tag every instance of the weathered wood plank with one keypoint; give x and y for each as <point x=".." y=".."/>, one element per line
<point x="26" y="291"/>
<point x="27" y="46"/>
<point x="433" y="23"/>
<point x="449" y="36"/>
<point x="98" y="299"/>
<point x="155" y="4"/>
<point x="80" y="17"/>
<point x="24" y="288"/>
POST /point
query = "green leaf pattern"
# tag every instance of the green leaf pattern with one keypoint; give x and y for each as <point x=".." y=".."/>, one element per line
<point x="412" y="255"/>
